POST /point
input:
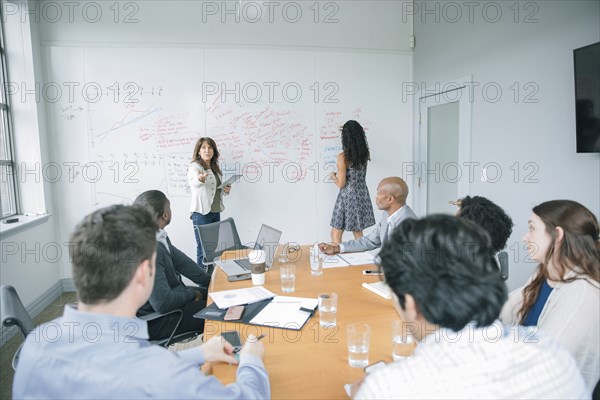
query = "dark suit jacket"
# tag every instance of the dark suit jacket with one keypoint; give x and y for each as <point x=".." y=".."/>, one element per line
<point x="169" y="292"/>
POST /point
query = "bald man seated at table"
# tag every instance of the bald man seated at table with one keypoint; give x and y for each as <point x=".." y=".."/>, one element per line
<point x="391" y="198"/>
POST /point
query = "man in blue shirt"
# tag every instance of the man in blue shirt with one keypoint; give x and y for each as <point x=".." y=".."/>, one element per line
<point x="100" y="350"/>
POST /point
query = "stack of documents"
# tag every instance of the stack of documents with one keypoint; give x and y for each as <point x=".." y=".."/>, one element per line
<point x="358" y="258"/>
<point x="346" y="260"/>
<point x="379" y="288"/>
<point x="237" y="297"/>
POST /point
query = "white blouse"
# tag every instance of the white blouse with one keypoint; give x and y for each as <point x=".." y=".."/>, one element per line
<point x="203" y="193"/>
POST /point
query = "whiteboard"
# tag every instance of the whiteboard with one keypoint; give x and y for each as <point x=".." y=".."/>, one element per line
<point x="128" y="119"/>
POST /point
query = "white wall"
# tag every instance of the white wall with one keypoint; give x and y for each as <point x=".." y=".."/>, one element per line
<point x="362" y="24"/>
<point x="538" y="125"/>
<point x="537" y="54"/>
<point x="31" y="259"/>
<point x="344" y="27"/>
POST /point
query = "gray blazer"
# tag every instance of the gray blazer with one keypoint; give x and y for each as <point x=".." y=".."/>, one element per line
<point x="378" y="236"/>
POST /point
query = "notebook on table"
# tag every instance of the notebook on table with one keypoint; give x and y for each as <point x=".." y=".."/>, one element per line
<point x="237" y="297"/>
<point x="284" y="312"/>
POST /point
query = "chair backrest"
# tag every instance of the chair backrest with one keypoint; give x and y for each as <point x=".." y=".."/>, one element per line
<point x="218" y="237"/>
<point x="503" y="261"/>
<point x="13" y="311"/>
<point x="173" y="337"/>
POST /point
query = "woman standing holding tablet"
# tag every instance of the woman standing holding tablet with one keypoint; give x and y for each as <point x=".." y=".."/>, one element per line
<point x="204" y="177"/>
<point x="562" y="298"/>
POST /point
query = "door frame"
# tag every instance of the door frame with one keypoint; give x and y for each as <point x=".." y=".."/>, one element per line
<point x="457" y="90"/>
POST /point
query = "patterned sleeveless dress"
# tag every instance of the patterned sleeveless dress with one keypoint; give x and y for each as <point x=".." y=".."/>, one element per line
<point x="353" y="210"/>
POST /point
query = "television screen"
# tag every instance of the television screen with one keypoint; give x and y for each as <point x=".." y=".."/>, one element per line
<point x="587" y="97"/>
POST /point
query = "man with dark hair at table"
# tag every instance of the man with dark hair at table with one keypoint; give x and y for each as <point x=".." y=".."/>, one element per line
<point x="449" y="294"/>
<point x="99" y="349"/>
<point x="169" y="291"/>
<point x="391" y="199"/>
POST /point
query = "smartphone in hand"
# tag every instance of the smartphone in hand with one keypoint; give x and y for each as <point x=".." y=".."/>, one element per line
<point x="233" y="337"/>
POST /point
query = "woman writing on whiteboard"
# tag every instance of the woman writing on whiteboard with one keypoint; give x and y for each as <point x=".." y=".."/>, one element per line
<point x="204" y="177"/>
<point x="353" y="210"/>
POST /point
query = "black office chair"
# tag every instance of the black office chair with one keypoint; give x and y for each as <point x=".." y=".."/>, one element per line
<point x="173" y="338"/>
<point x="14" y="313"/>
<point x="217" y="238"/>
<point x="503" y="261"/>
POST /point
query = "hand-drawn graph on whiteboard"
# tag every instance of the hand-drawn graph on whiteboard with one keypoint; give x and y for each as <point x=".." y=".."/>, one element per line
<point x="142" y="144"/>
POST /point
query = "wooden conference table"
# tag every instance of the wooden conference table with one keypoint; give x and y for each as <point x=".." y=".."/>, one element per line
<point x="313" y="363"/>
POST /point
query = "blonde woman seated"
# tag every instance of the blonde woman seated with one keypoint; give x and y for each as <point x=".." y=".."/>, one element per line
<point x="562" y="298"/>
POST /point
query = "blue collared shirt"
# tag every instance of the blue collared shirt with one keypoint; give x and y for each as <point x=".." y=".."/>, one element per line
<point x="98" y="356"/>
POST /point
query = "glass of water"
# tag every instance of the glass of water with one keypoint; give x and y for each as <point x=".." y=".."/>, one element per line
<point x="327" y="309"/>
<point x="359" y="336"/>
<point x="287" y="272"/>
<point x="284" y="253"/>
<point x="403" y="342"/>
<point x="316" y="267"/>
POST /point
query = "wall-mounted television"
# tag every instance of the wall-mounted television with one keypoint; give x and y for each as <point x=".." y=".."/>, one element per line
<point x="587" y="98"/>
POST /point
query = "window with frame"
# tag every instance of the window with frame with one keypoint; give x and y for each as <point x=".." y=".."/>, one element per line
<point x="8" y="187"/>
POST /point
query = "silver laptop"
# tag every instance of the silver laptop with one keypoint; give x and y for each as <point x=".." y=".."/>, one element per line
<point x="267" y="240"/>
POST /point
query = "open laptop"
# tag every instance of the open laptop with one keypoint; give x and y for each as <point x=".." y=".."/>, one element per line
<point x="267" y="240"/>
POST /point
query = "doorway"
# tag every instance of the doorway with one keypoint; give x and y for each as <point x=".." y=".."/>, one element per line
<point x="443" y="148"/>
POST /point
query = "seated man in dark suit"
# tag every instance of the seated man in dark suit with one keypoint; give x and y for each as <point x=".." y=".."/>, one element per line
<point x="169" y="292"/>
<point x="391" y="198"/>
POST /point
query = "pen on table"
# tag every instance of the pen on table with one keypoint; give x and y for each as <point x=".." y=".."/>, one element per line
<point x="308" y="310"/>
